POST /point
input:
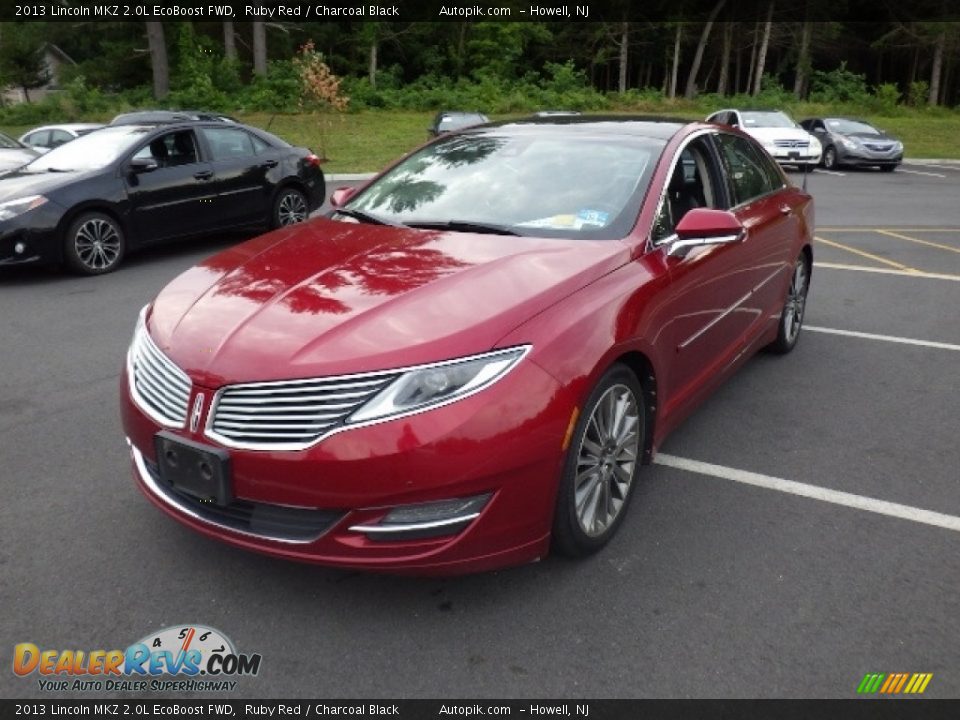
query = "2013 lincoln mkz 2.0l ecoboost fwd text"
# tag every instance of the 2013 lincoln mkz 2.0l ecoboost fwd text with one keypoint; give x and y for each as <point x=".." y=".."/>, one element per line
<point x="468" y="362"/>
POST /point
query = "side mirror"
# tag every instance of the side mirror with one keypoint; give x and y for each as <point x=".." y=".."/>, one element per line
<point x="143" y="165"/>
<point x="705" y="226"/>
<point x="340" y="196"/>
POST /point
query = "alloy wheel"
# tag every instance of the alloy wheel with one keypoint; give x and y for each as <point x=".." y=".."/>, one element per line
<point x="796" y="302"/>
<point x="291" y="209"/>
<point x="97" y="243"/>
<point x="606" y="460"/>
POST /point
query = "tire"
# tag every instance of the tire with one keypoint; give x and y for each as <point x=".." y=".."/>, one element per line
<point x="794" y="307"/>
<point x="829" y="158"/>
<point x="94" y="244"/>
<point x="888" y="168"/>
<point x="601" y="466"/>
<point x="289" y="208"/>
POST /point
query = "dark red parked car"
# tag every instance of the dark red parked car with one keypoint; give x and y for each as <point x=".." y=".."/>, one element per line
<point x="470" y="360"/>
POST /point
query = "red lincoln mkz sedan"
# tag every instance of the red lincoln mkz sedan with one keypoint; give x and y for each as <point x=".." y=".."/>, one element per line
<point x="471" y="358"/>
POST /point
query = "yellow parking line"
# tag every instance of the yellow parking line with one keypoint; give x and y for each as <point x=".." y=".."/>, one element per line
<point x="869" y="229"/>
<point x="863" y="253"/>
<point x="941" y="246"/>
<point x="888" y="271"/>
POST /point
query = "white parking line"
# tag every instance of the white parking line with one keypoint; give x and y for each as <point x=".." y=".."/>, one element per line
<point x="829" y="172"/>
<point x="883" y="338"/>
<point x="939" y="167"/>
<point x="888" y="271"/>
<point x="918" y="172"/>
<point x="814" y="492"/>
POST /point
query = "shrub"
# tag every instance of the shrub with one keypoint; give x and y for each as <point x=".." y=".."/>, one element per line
<point x="839" y="86"/>
<point x="918" y="94"/>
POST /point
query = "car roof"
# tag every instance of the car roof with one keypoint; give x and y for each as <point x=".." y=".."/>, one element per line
<point x="661" y="128"/>
<point x="156" y="117"/>
<point x="65" y="126"/>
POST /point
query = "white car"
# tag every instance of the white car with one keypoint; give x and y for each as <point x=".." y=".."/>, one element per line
<point x="785" y="140"/>
<point x="48" y="137"/>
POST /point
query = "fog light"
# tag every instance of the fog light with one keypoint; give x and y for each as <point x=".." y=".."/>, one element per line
<point x="414" y="522"/>
<point x="19" y="248"/>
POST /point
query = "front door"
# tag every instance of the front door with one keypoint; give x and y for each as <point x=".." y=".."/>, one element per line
<point x="175" y="198"/>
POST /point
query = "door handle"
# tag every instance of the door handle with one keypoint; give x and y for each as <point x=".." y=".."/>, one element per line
<point x="784" y="209"/>
<point x="203" y="175"/>
<point x="269" y="164"/>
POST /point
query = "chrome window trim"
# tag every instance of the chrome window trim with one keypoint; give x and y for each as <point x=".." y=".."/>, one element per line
<point x="651" y="245"/>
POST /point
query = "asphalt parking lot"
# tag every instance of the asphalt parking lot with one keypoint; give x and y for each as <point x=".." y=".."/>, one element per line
<point x="800" y="530"/>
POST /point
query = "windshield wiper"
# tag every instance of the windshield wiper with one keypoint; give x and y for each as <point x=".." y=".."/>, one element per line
<point x="366" y="217"/>
<point x="464" y="226"/>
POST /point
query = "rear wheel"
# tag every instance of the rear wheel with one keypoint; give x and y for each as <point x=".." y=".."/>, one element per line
<point x="791" y="318"/>
<point x="94" y="244"/>
<point x="601" y="465"/>
<point x="289" y="208"/>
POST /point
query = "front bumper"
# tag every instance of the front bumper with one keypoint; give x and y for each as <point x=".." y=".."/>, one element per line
<point x="866" y="157"/>
<point x="504" y="442"/>
<point x="794" y="156"/>
<point x="31" y="238"/>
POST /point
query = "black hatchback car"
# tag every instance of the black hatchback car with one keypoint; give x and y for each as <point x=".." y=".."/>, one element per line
<point x="89" y="202"/>
<point x="847" y="141"/>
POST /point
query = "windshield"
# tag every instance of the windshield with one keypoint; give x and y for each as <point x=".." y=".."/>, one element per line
<point x="8" y="142"/>
<point x="92" y="151"/>
<point x="548" y="185"/>
<point x="849" y="127"/>
<point x="755" y="119"/>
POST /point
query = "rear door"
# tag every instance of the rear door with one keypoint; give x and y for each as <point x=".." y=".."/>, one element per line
<point x="770" y="219"/>
<point x="242" y="165"/>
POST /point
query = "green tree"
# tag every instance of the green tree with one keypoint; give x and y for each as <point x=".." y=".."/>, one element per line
<point x="21" y="57"/>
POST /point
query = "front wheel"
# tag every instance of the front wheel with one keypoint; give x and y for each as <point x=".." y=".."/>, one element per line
<point x="601" y="465"/>
<point x="94" y="244"/>
<point x="791" y="318"/>
<point x="289" y="208"/>
<point x="830" y="158"/>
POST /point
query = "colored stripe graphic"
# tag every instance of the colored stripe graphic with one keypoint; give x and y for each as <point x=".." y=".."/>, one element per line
<point x="894" y="683"/>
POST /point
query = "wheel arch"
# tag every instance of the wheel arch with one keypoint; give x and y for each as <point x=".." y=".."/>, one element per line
<point x="92" y="206"/>
<point x="640" y="365"/>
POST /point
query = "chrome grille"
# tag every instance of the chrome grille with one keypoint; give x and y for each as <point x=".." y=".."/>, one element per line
<point x="291" y="414"/>
<point x="161" y="389"/>
<point x="791" y="143"/>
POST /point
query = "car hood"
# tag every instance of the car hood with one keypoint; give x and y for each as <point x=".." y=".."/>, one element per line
<point x="775" y="133"/>
<point x="19" y="183"/>
<point x="16" y="157"/>
<point x="869" y="137"/>
<point x="328" y="297"/>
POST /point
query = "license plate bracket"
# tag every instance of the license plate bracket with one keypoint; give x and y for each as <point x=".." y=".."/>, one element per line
<point x="195" y="469"/>
<point x="794" y="154"/>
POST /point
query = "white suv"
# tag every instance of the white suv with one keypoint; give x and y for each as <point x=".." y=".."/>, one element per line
<point x="785" y="140"/>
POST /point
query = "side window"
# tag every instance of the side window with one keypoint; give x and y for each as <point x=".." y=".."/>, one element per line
<point x="258" y="145"/>
<point x="228" y="143"/>
<point x="748" y="170"/>
<point x="692" y="184"/>
<point x="172" y="149"/>
<point x="59" y="137"/>
<point x="38" y="138"/>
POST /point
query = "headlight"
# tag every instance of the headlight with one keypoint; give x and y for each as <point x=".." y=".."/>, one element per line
<point x="815" y="146"/>
<point x="19" y="206"/>
<point x="439" y="384"/>
<point x="898" y="146"/>
<point x="848" y="143"/>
